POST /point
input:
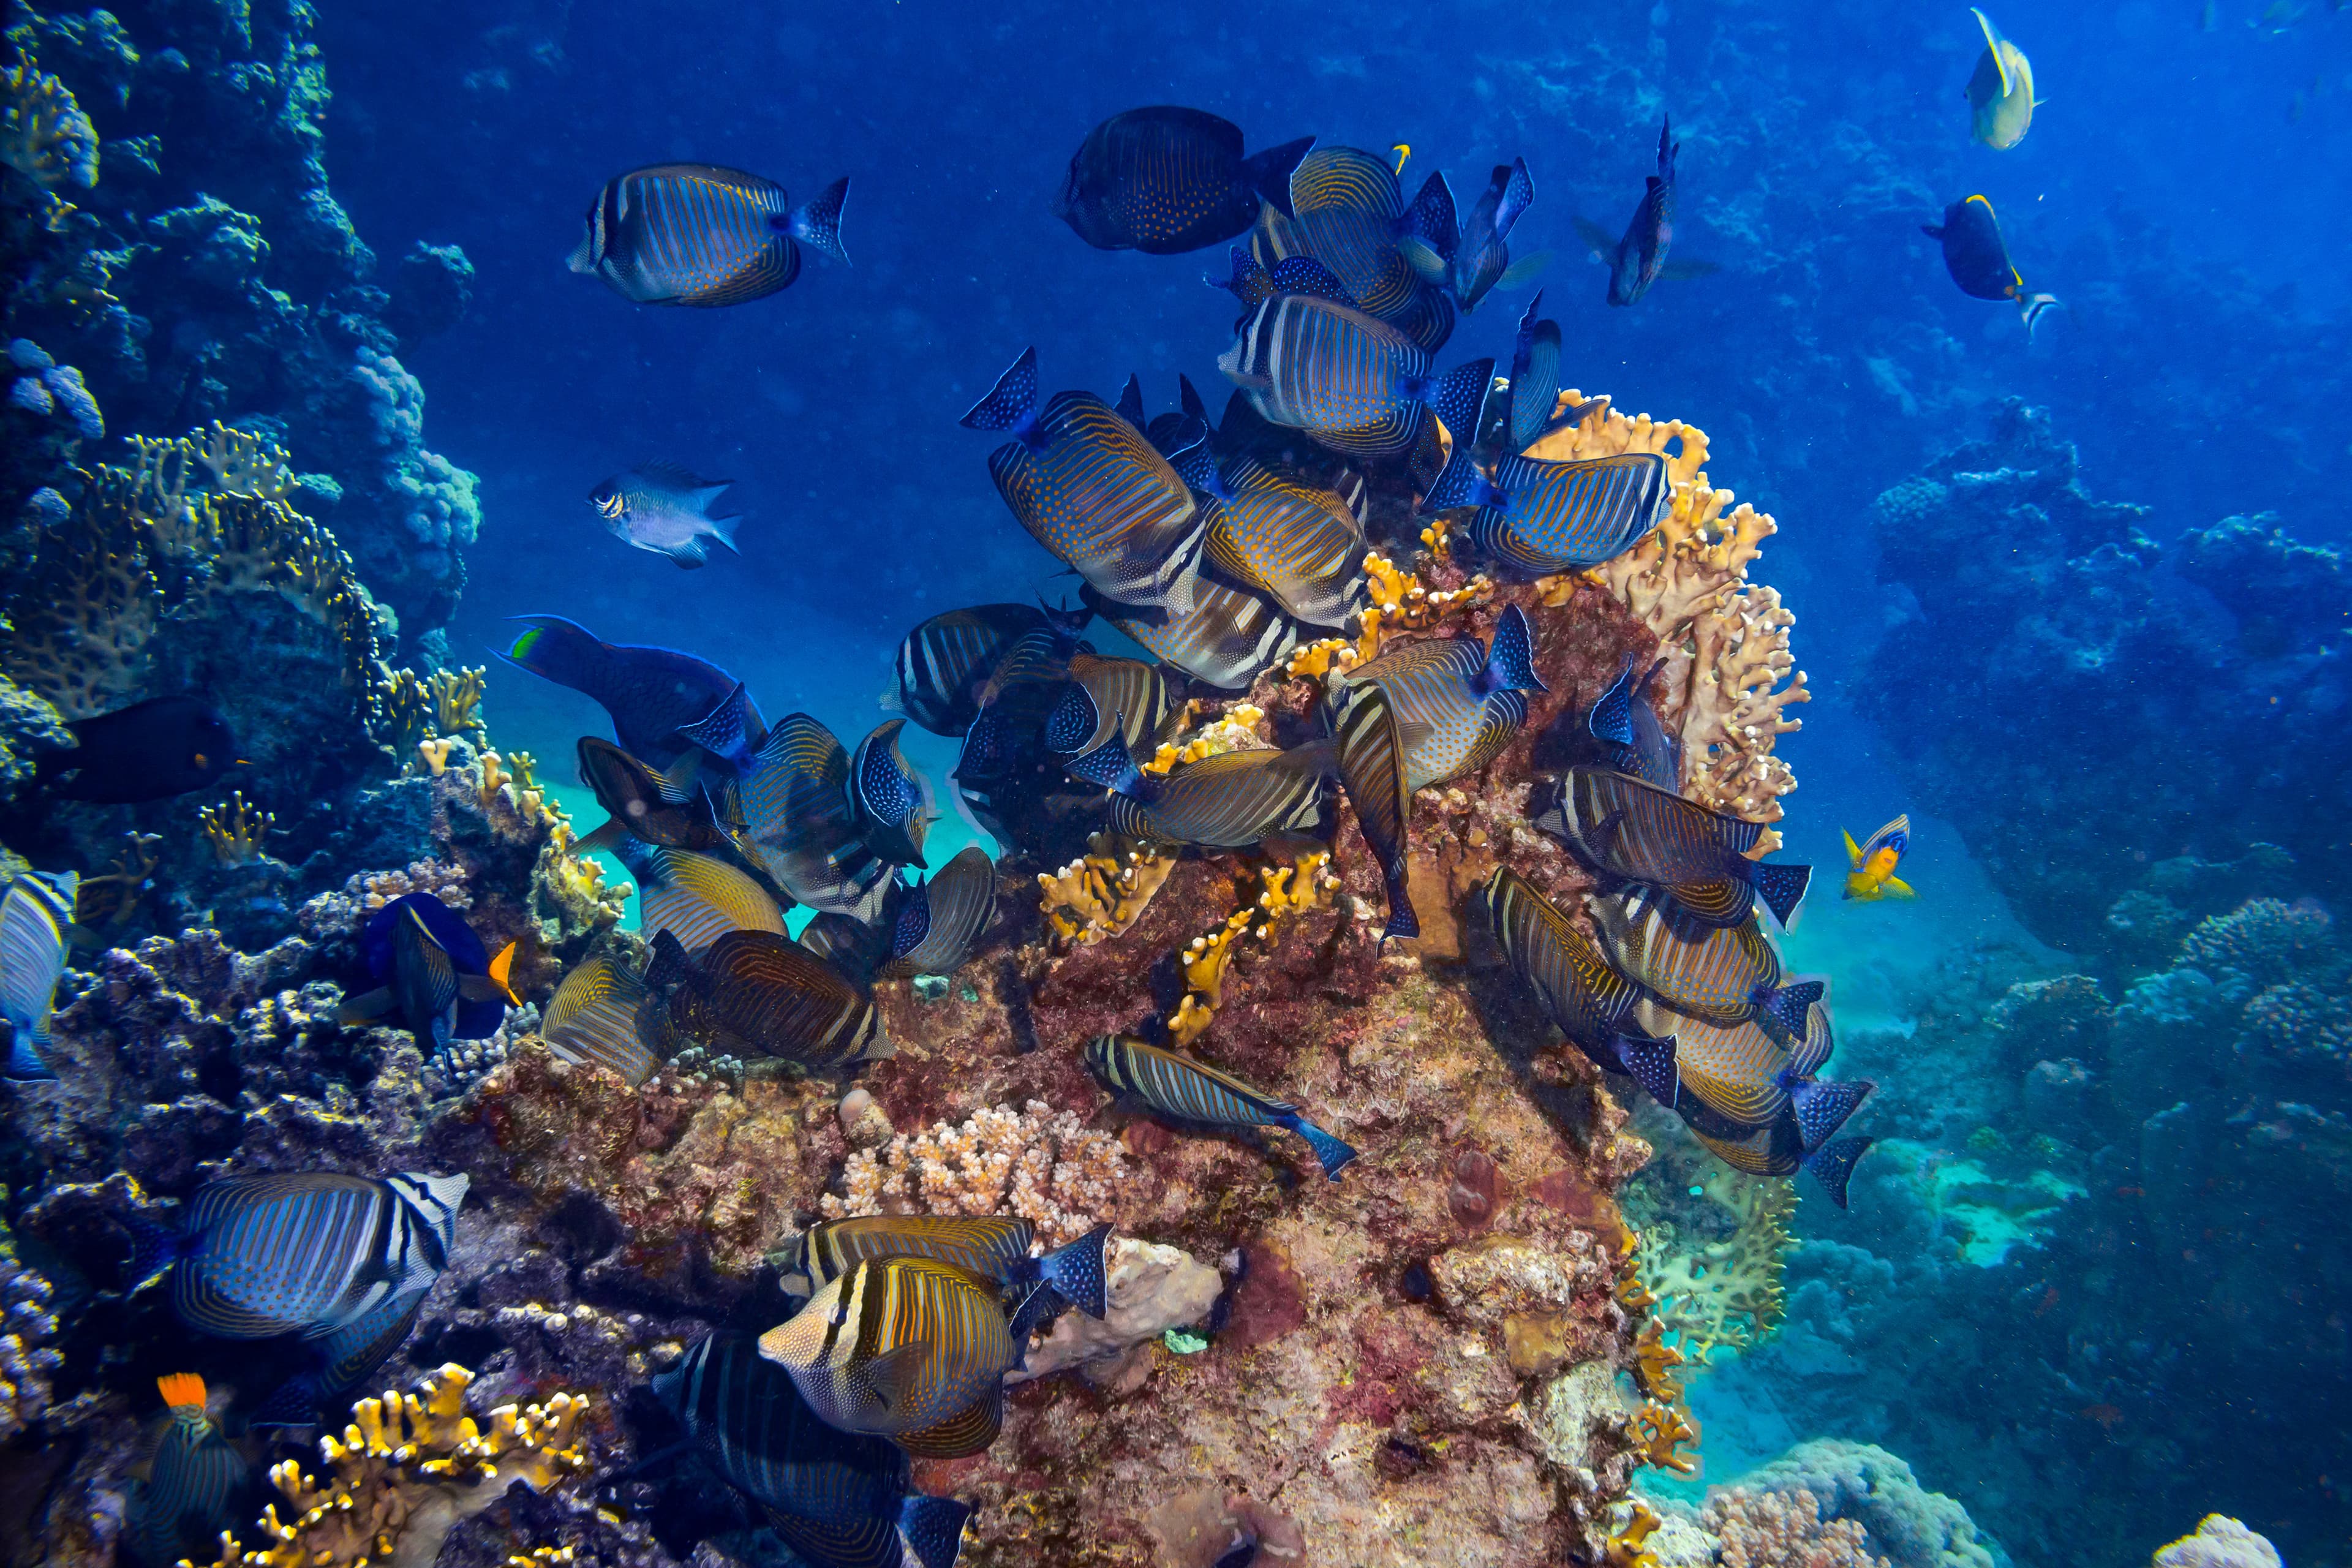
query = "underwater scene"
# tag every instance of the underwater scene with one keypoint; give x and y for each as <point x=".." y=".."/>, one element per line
<point x="876" y="785"/>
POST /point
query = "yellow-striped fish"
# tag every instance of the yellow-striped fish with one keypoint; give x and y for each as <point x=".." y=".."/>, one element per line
<point x="597" y="1017"/>
<point x="36" y="912"/>
<point x="909" y="1348"/>
<point x="697" y="234"/>
<point x="1873" y="860"/>
<point x="1178" y="1087"/>
<point x="184" y="1503"/>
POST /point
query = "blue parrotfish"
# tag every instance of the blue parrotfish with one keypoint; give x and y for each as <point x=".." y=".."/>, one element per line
<point x="184" y="1505"/>
<point x="662" y="703"/>
<point x="908" y="1347"/>
<point x="432" y="973"/>
<point x="1354" y="382"/>
<point x="1166" y="180"/>
<point x="1537" y="517"/>
<point x="1172" y="1085"/>
<point x="1457" y="705"/>
<point x="1872" y="863"/>
<point x="36" y="912"/>
<point x="839" y="1499"/>
<point x="667" y="509"/>
<point x="1090" y="488"/>
<point x="697" y="234"/>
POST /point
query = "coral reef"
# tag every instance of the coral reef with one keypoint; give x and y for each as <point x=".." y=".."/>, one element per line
<point x="1782" y="1529"/>
<point x="2220" y="1542"/>
<point x="27" y="1360"/>
<point x="1038" y="1164"/>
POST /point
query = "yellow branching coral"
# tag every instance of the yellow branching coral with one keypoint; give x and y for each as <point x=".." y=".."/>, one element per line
<point x="109" y="899"/>
<point x="1235" y="730"/>
<point x="244" y="464"/>
<point x="1658" y="1433"/>
<point x="236" y="831"/>
<point x="493" y="778"/>
<point x="458" y="706"/>
<point x="1399" y="601"/>
<point x="1101" y="893"/>
<point x="1317" y="660"/>
<point x="1724" y="1292"/>
<point x="44" y="134"/>
<point x="1654" y="1362"/>
<point x="1628" y="1547"/>
<point x="522" y="763"/>
<point x="434" y="754"/>
<point x="82" y="625"/>
<point x="1285" y="892"/>
<point x="406" y="1469"/>
<point x="1726" y="640"/>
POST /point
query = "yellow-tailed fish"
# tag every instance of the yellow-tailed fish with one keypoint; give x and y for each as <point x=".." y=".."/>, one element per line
<point x="1873" y="863"/>
<point x="2000" y="91"/>
<point x="1977" y="257"/>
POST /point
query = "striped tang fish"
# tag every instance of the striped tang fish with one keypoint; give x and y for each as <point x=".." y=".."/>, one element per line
<point x="1625" y="723"/>
<point x="1352" y="380"/>
<point x="1354" y="222"/>
<point x="1589" y="1001"/>
<point x="341" y="1358"/>
<point x="1535" y="378"/>
<point x="306" y="1252"/>
<point x="1738" y="1068"/>
<point x="597" y="1018"/>
<point x="1232" y="636"/>
<point x="1107" y="697"/>
<point x="1630" y="828"/>
<point x="940" y="919"/>
<point x="1457" y="705"/>
<point x="989" y="1247"/>
<point x="701" y="899"/>
<point x="432" y="973"/>
<point x="1537" y="517"/>
<point x="1231" y="801"/>
<point x="944" y="662"/>
<point x="840" y="1500"/>
<point x="1373" y="771"/>
<point x="1724" y="975"/>
<point x="650" y="807"/>
<point x="1280" y="536"/>
<point x="850" y="947"/>
<point x="36" y="911"/>
<point x="908" y="1347"/>
<point x="790" y="815"/>
<point x="891" y="801"/>
<point x="1090" y="486"/>
<point x="184" y="1503"/>
<point x="1175" y="1086"/>
<point x="764" y="995"/>
<point x="696" y="234"/>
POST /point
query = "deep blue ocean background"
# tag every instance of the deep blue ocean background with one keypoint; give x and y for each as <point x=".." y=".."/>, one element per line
<point x="2185" y="191"/>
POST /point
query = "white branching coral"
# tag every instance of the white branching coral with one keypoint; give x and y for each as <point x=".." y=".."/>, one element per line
<point x="1038" y="1164"/>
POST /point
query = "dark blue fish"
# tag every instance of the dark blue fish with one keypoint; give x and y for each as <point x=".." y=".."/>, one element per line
<point x="1234" y="800"/>
<point x="184" y="1505"/>
<point x="1166" y="180"/>
<point x="148" y="751"/>
<point x="662" y="703"/>
<point x="841" y="1499"/>
<point x="1778" y="1150"/>
<point x="1473" y="257"/>
<point x="1589" y="1000"/>
<point x="890" y="801"/>
<point x="432" y="973"/>
<point x="939" y="920"/>
<point x="990" y="1247"/>
<point x="1090" y="486"/>
<point x="1185" y="1090"/>
<point x="1353" y="380"/>
<point x="1537" y="518"/>
<point x="944" y="662"/>
<point x="1535" y="378"/>
<point x="1457" y="705"/>
<point x="37" y="910"/>
<point x="1639" y="260"/>
<point x="1630" y="829"/>
<point x="1624" y="721"/>
<point x="1107" y="697"/>
<point x="791" y="814"/>
<point x="697" y="234"/>
<point x="1977" y="259"/>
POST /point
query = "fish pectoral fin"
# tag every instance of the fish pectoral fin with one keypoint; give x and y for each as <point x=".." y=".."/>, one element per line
<point x="1523" y="271"/>
<point x="1899" y="887"/>
<point x="608" y="836"/>
<point x="1422" y="257"/>
<point x="1684" y="271"/>
<point x="690" y="554"/>
<point x="368" y="1005"/>
<point x="1597" y="240"/>
<point x="890" y="1375"/>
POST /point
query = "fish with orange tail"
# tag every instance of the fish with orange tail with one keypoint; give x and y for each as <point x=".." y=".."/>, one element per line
<point x="1873" y="863"/>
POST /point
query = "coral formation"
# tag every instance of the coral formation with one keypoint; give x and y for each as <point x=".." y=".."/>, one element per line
<point x="1722" y="1294"/>
<point x="1782" y="1529"/>
<point x="2219" y="1541"/>
<point x="1103" y="892"/>
<point x="1037" y="1164"/>
<point x="27" y="1360"/>
<point x="44" y="134"/>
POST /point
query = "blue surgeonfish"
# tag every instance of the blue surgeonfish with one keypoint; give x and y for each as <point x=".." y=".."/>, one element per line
<point x="1352" y="380"/>
<point x="1166" y="180"/>
<point x="839" y="1499"/>
<point x="184" y="1504"/>
<point x="1169" y="1084"/>
<point x="1457" y="704"/>
<point x="432" y="973"/>
<point x="697" y="234"/>
<point x="662" y="508"/>
<point x="37" y="910"/>
<point x="909" y="1348"/>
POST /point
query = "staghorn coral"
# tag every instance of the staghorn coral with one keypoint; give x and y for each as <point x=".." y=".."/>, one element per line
<point x="1783" y="1530"/>
<point x="406" y="1470"/>
<point x="235" y="830"/>
<point x="1038" y="1164"/>
<point x="1103" y="892"/>
<point x="1726" y="1293"/>
<point x="44" y="134"/>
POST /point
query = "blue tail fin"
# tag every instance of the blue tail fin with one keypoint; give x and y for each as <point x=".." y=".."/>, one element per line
<point x="1040" y="1304"/>
<point x="1651" y="1063"/>
<point x="1783" y="888"/>
<point x="1459" y="483"/>
<point x="1431" y="222"/>
<point x="1404" y="924"/>
<point x="295" y="1404"/>
<point x="1305" y="275"/>
<point x="25" y="1063"/>
<point x="1334" y="1154"/>
<point x="1187" y="400"/>
<point x="1011" y="404"/>
<point x="669" y="964"/>
<point x="1269" y="172"/>
<point x="1129" y="405"/>
<point x="1511" y="656"/>
<point x="819" y="222"/>
<point x="154" y="1246"/>
<point x="1077" y="1273"/>
<point x="725" y="730"/>
<point x="933" y="1526"/>
<point x="1461" y="399"/>
<point x="1611" y="718"/>
<point x="1249" y="284"/>
<point x="1782" y="1010"/>
<point x="1112" y="766"/>
<point x="1833" y="1164"/>
<point x="1822" y="1106"/>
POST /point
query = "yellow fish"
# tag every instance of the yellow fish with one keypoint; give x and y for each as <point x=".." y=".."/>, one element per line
<point x="1872" y="875"/>
<point x="2000" y="92"/>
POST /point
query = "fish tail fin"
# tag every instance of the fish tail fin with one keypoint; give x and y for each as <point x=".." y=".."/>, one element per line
<point x="502" y="974"/>
<point x="1112" y="766"/>
<point x="1932" y="230"/>
<point x="933" y="1526"/>
<point x="1780" y="1009"/>
<point x="2033" y="307"/>
<point x="1334" y="1155"/>
<point x="1187" y="400"/>
<point x="1823" y="1105"/>
<point x="1039" y="1305"/>
<point x="608" y="836"/>
<point x="1269" y="172"/>
<point x="818" y="222"/>
<point x="1852" y="852"/>
<point x="1832" y="1166"/>
<point x="1519" y="195"/>
<point x="1612" y="718"/>
<point x="154" y="1246"/>
<point x="722" y="528"/>
<point x="1012" y="403"/>
<point x="181" y="1390"/>
<point x="295" y="1404"/>
<point x="1461" y="399"/>
<point x="1655" y="1064"/>
<point x="24" y="1060"/>
<point x="1404" y="922"/>
<point x="1898" y="888"/>
<point x="1129" y="405"/>
<point x="1783" y="888"/>
<point x="1078" y="1273"/>
<point x="1459" y="483"/>
<point x="1511" y="655"/>
<point x="669" y="964"/>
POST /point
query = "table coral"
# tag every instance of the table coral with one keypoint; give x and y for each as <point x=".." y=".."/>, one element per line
<point x="1038" y="1163"/>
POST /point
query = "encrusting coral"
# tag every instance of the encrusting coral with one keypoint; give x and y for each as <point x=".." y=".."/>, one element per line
<point x="406" y="1469"/>
<point x="2219" y="1541"/>
<point x="1037" y="1164"/>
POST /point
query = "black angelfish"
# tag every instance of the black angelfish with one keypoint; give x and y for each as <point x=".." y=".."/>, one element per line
<point x="148" y="751"/>
<point x="1168" y="180"/>
<point x="1977" y="259"/>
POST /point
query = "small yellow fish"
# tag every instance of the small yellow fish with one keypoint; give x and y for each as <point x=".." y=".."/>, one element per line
<point x="1872" y="875"/>
<point x="2000" y="92"/>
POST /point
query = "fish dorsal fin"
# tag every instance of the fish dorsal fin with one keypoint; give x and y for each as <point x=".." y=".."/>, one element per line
<point x="890" y="1375"/>
<point x="1993" y="41"/>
